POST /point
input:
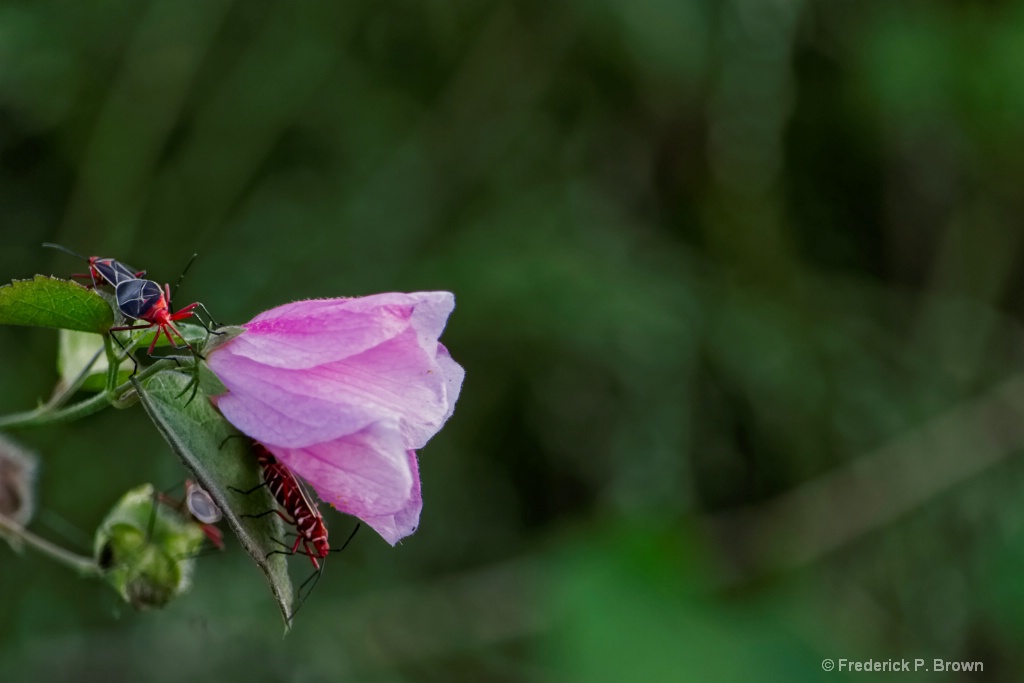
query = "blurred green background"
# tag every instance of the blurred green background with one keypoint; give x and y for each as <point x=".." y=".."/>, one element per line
<point x="738" y="295"/>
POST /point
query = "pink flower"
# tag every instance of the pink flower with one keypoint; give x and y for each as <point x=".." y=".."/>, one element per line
<point x="344" y="391"/>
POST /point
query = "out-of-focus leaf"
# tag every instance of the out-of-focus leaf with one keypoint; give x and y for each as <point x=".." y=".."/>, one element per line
<point x="75" y="351"/>
<point x="200" y="437"/>
<point x="51" y="302"/>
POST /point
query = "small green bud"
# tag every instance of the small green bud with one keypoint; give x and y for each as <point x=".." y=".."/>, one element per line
<point x="147" y="548"/>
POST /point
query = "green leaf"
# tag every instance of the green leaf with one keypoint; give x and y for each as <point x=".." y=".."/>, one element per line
<point x="200" y="437"/>
<point x="51" y="302"/>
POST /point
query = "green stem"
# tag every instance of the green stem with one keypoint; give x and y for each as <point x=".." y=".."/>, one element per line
<point x="81" y="564"/>
<point x="113" y="362"/>
<point x="45" y="415"/>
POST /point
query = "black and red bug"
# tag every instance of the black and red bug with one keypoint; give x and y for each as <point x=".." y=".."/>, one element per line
<point x="101" y="269"/>
<point x="297" y="509"/>
<point x="146" y="301"/>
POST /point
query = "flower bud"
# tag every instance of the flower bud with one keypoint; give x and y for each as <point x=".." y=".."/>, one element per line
<point x="147" y="549"/>
<point x="344" y="392"/>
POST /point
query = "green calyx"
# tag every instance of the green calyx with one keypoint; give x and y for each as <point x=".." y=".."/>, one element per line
<point x="146" y="549"/>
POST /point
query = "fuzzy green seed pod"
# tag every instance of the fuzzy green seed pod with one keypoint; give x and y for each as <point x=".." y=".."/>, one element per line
<point x="147" y="548"/>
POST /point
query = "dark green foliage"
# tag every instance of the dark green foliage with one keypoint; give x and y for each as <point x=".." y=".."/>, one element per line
<point x="739" y="293"/>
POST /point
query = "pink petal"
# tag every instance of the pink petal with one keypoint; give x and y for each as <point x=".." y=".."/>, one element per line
<point x="396" y="526"/>
<point x="429" y="316"/>
<point x="301" y="407"/>
<point x="453" y="374"/>
<point x="397" y="379"/>
<point x="368" y="474"/>
<point x="343" y="391"/>
<point x="285" y="407"/>
<point x="310" y="333"/>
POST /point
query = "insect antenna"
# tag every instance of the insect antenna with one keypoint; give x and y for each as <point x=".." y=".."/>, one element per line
<point x="61" y="247"/>
<point x="205" y="310"/>
<point x="315" y="576"/>
<point x="182" y="276"/>
<point x="92" y="269"/>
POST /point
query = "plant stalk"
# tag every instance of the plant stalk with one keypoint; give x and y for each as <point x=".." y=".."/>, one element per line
<point x="85" y="566"/>
<point x="47" y="415"/>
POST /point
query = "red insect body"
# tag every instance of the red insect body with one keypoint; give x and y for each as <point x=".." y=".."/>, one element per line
<point x="298" y="509"/>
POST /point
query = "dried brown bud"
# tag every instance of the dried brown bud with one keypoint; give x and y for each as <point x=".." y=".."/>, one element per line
<point x="17" y="482"/>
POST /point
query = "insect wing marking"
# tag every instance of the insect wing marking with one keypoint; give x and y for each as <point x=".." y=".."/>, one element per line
<point x="136" y="297"/>
<point x="114" y="272"/>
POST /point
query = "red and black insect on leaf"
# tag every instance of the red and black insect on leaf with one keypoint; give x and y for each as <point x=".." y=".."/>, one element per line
<point x="146" y="302"/>
<point x="296" y="509"/>
<point x="141" y="300"/>
<point x="101" y="269"/>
